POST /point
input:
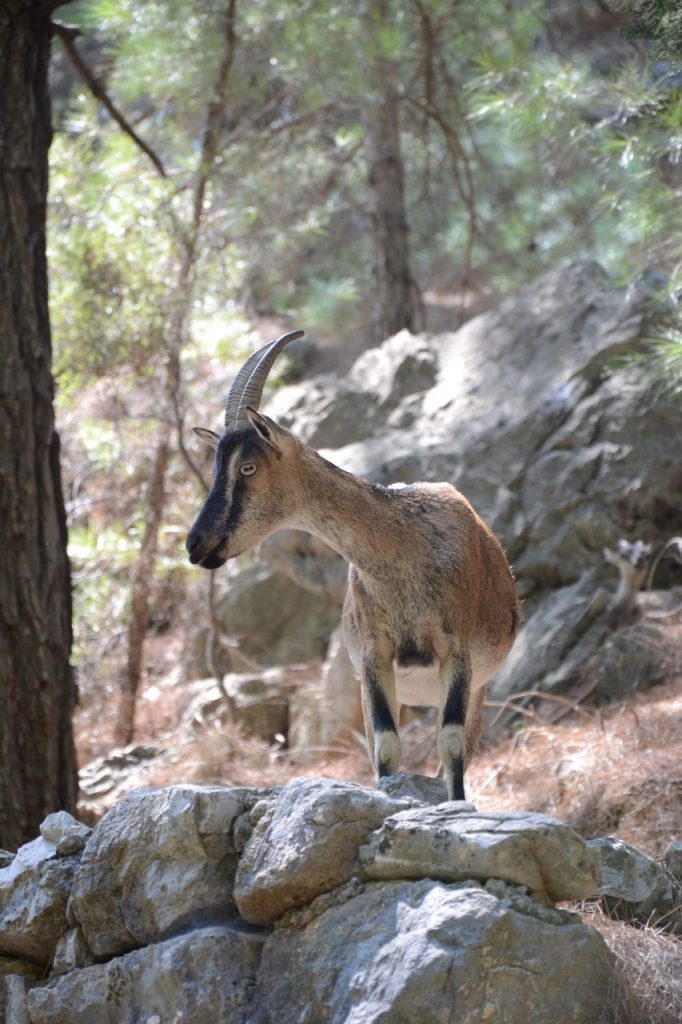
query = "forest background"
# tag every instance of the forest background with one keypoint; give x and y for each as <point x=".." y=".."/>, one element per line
<point x="222" y="171"/>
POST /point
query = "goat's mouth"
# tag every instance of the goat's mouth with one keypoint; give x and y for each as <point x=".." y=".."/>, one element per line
<point x="210" y="556"/>
<point x="213" y="560"/>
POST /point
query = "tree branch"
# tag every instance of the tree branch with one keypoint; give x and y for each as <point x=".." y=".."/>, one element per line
<point x="67" y="36"/>
<point x="459" y="159"/>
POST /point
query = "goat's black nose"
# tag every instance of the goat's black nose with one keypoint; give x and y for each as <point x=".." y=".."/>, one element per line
<point x="194" y="544"/>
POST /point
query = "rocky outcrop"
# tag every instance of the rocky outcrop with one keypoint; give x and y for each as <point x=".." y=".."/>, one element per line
<point x="317" y="902"/>
<point x="633" y="887"/>
<point x="429" y="952"/>
<point x="525" y="849"/>
<point x="306" y="844"/>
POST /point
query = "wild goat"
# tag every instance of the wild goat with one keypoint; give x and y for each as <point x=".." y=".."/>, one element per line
<point x="431" y="609"/>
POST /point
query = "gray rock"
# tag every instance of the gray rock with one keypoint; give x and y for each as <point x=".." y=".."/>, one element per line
<point x="67" y="834"/>
<point x="326" y="412"/>
<point x="309" y="562"/>
<point x="276" y="621"/>
<point x="72" y="952"/>
<point x="306" y="843"/>
<point x="13" y="999"/>
<point x="328" y="708"/>
<point x="449" y="843"/>
<point x="432" y="953"/>
<point x="633" y="887"/>
<point x="629" y="660"/>
<point x="257" y="702"/>
<point x="672" y="858"/>
<point x="161" y="859"/>
<point x="34" y="889"/>
<point x="423" y="789"/>
<point x="26" y="968"/>
<point x="202" y="977"/>
<point x="402" y="366"/>
<point x="554" y="642"/>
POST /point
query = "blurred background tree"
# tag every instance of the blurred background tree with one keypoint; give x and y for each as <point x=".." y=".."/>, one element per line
<point x="351" y="170"/>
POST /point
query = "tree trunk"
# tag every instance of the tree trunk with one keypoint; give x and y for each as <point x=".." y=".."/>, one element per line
<point x="396" y="301"/>
<point x="37" y="692"/>
<point x="139" y="599"/>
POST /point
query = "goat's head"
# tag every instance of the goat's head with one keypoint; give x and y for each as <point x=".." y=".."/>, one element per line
<point x="254" y="490"/>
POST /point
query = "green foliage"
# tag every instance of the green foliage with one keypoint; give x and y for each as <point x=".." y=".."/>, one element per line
<point x="605" y="151"/>
<point x="108" y="260"/>
<point x="661" y="20"/>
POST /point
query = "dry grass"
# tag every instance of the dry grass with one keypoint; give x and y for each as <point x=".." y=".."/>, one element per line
<point x="647" y="983"/>
<point x="615" y="770"/>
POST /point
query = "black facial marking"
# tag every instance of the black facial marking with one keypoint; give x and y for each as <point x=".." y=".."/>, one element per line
<point x="226" y="496"/>
<point x="236" y="507"/>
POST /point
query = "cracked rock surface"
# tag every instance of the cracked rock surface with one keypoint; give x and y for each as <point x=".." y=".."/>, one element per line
<point x="434" y="953"/>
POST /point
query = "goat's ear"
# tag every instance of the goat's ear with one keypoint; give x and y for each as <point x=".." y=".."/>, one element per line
<point x="207" y="435"/>
<point x="266" y="428"/>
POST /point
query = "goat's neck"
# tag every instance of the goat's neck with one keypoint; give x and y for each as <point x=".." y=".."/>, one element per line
<point x="351" y="515"/>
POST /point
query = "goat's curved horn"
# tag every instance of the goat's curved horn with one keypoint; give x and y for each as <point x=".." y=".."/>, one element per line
<point x="247" y="387"/>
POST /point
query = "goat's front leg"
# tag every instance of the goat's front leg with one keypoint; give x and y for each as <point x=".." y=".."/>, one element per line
<point x="380" y="709"/>
<point x="455" y="683"/>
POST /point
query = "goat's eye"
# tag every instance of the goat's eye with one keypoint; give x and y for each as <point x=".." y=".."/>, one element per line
<point x="247" y="469"/>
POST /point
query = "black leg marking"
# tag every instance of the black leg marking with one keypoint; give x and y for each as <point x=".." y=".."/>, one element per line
<point x="455" y="709"/>
<point x="452" y="728"/>
<point x="382" y="719"/>
<point x="457" y="769"/>
<point x="384" y="734"/>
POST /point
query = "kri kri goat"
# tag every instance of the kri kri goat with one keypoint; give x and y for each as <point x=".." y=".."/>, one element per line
<point x="431" y="609"/>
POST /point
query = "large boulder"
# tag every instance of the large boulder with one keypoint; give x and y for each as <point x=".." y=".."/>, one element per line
<point x="434" y="953"/>
<point x="633" y="887"/>
<point x="309" y="562"/>
<point x="35" y="887"/>
<point x="453" y="844"/>
<point x="306" y="844"/>
<point x="256" y="702"/>
<point x="201" y="977"/>
<point x="276" y="621"/>
<point x="157" y="861"/>
<point x="403" y="366"/>
<point x="326" y="412"/>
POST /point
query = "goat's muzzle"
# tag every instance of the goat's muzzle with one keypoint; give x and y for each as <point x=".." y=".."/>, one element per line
<point x="203" y="549"/>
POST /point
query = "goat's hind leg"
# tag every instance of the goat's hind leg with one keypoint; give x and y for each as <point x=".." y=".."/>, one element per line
<point x="455" y="683"/>
<point x="380" y="712"/>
